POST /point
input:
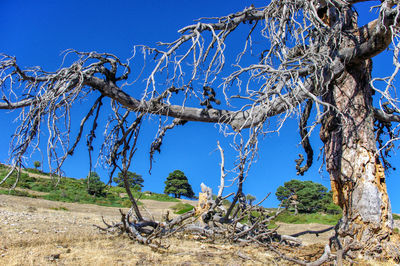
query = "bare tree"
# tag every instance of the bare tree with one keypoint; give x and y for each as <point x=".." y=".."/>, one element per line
<point x="313" y="55"/>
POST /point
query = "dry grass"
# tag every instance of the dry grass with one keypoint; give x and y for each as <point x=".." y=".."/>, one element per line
<point x="42" y="232"/>
<point x="96" y="249"/>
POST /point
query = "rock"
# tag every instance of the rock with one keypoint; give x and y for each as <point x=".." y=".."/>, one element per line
<point x="53" y="257"/>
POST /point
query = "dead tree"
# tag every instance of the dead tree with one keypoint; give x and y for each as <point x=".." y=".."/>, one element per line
<point x="314" y="55"/>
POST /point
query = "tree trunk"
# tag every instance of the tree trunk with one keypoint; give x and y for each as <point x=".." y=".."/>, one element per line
<point x="296" y="211"/>
<point x="131" y="198"/>
<point x="357" y="176"/>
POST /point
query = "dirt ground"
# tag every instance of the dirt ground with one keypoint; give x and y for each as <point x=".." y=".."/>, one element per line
<point x="42" y="232"/>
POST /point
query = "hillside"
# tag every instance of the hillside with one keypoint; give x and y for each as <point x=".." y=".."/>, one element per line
<point x="36" y="184"/>
<point x="36" y="231"/>
<point x="41" y="232"/>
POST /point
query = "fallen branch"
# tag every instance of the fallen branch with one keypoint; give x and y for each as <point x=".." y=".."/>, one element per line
<point x="322" y="259"/>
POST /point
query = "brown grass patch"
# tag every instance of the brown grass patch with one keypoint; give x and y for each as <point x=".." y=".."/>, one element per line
<point x="39" y="232"/>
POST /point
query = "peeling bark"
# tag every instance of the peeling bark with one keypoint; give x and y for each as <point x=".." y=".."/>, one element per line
<point x="357" y="176"/>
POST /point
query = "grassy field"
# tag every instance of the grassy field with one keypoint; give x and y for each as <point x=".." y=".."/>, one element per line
<point x="318" y="218"/>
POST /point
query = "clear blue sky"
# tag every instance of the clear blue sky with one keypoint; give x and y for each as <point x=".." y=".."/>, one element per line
<point x="36" y="32"/>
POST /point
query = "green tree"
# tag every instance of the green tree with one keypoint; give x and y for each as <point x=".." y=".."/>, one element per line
<point x="135" y="181"/>
<point x="178" y="185"/>
<point x="95" y="186"/>
<point x="250" y="198"/>
<point x="288" y="191"/>
<point x="304" y="196"/>
<point x="36" y="164"/>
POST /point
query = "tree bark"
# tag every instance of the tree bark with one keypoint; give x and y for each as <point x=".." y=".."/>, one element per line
<point x="357" y="176"/>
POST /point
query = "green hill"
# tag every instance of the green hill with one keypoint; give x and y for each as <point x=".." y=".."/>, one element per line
<point x="37" y="184"/>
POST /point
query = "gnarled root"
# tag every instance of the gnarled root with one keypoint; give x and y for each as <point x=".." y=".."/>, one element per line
<point x="369" y="242"/>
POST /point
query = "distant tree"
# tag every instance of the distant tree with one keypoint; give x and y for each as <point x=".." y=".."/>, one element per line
<point x="178" y="185"/>
<point x="250" y="198"/>
<point x="304" y="196"/>
<point x="288" y="191"/>
<point x="36" y="164"/>
<point x="135" y="181"/>
<point x="95" y="186"/>
<point x="328" y="205"/>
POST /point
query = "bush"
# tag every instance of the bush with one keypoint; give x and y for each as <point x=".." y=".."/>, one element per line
<point x="181" y="208"/>
<point x="36" y="171"/>
<point x="36" y="164"/>
<point x="61" y="208"/>
<point x="95" y="186"/>
<point x="226" y="203"/>
<point x="17" y="193"/>
<point x="126" y="203"/>
<point x="156" y="196"/>
<point x="332" y="208"/>
<point x="117" y="190"/>
<point x="23" y="182"/>
<point x="396" y="216"/>
<point x="42" y="187"/>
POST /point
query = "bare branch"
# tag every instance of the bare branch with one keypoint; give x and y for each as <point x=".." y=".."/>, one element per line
<point x="305" y="140"/>
<point x="222" y="181"/>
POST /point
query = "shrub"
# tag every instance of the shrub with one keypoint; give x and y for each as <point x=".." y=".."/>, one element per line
<point x="181" y="208"/>
<point x="157" y="197"/>
<point x="36" y="164"/>
<point x="95" y="186"/>
<point x="36" y="171"/>
<point x="332" y="208"/>
<point x="17" y="193"/>
<point x="61" y="208"/>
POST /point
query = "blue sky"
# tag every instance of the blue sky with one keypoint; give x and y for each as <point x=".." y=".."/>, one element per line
<point x="36" y="32"/>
